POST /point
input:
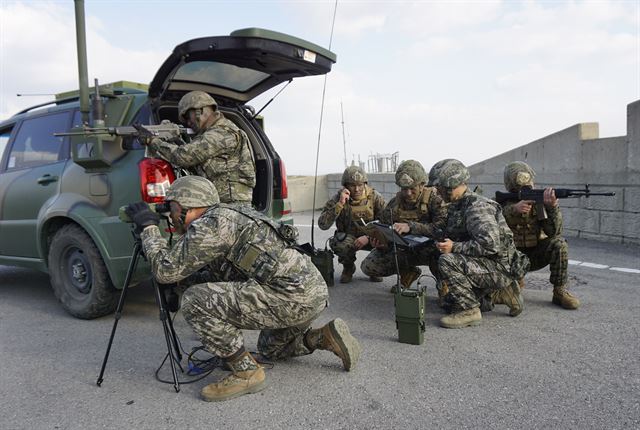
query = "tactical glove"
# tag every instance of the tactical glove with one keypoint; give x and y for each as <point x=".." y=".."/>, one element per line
<point x="142" y="215"/>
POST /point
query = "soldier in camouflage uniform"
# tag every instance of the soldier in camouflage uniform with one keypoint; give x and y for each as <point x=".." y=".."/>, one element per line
<point x="478" y="254"/>
<point x="219" y="151"/>
<point x="540" y="240"/>
<point x="416" y="209"/>
<point x="259" y="281"/>
<point x="355" y="204"/>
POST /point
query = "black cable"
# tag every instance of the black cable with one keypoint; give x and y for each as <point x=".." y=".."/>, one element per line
<point x="199" y="368"/>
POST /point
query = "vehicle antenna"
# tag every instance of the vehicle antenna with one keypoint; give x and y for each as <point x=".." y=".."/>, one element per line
<point x="324" y="88"/>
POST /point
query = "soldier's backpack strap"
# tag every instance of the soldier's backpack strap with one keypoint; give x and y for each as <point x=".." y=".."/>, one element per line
<point x="424" y="202"/>
<point x="286" y="232"/>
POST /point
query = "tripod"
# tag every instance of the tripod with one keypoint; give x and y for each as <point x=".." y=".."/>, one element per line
<point x="167" y="325"/>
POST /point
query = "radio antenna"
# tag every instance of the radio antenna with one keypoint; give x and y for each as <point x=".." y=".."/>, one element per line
<point x="324" y="88"/>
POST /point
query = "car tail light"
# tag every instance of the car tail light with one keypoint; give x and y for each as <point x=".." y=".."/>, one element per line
<point x="155" y="177"/>
<point x="284" y="190"/>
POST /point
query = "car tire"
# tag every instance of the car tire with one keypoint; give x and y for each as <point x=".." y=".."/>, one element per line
<point x="79" y="277"/>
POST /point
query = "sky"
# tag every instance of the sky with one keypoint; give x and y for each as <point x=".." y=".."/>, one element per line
<point x="427" y="79"/>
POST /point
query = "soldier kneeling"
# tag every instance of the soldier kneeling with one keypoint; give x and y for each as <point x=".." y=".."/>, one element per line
<point x="353" y="205"/>
<point x="262" y="283"/>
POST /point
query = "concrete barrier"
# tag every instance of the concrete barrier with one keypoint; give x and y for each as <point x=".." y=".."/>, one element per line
<point x="576" y="156"/>
<point x="301" y="192"/>
<point x="569" y="158"/>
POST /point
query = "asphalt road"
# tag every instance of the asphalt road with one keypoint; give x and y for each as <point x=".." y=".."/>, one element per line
<point x="547" y="368"/>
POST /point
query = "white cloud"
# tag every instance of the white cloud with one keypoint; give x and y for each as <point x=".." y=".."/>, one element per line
<point x="38" y="54"/>
<point x="430" y="79"/>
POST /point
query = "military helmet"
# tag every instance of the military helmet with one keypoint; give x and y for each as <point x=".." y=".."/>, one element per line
<point x="354" y="175"/>
<point x="435" y="169"/>
<point x="452" y="174"/>
<point x="193" y="192"/>
<point x="194" y="100"/>
<point x="517" y="175"/>
<point x="410" y="173"/>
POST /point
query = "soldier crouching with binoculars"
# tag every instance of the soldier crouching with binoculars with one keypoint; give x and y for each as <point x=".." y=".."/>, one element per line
<point x="262" y="283"/>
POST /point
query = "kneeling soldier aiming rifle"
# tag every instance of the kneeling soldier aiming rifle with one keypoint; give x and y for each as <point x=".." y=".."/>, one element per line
<point x="536" y="221"/>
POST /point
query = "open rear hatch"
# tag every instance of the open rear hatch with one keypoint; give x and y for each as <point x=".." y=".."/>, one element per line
<point x="238" y="67"/>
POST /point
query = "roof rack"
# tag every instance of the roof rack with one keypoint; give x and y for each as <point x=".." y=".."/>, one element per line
<point x="106" y="90"/>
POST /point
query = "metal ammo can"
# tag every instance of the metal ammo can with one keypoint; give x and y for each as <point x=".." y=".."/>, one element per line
<point x="409" y="306"/>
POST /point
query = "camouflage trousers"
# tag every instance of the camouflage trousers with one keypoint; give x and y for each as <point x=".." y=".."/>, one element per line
<point x="470" y="279"/>
<point x="345" y="249"/>
<point x="218" y="311"/>
<point x="381" y="262"/>
<point x="553" y="252"/>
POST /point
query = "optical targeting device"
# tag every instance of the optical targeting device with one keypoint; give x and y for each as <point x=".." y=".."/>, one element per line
<point x="158" y="208"/>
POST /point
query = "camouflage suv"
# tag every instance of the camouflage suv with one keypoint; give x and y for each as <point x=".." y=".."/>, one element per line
<point x="60" y="196"/>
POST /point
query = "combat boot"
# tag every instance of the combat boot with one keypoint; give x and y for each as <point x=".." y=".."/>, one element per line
<point x="347" y="273"/>
<point x="466" y="318"/>
<point x="335" y="337"/>
<point x="247" y="377"/>
<point x="406" y="278"/>
<point x="510" y="296"/>
<point x="562" y="297"/>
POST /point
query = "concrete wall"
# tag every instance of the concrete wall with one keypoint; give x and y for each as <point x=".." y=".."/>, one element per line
<point x="301" y="192"/>
<point x="569" y="158"/>
<point x="576" y="156"/>
<point x="383" y="182"/>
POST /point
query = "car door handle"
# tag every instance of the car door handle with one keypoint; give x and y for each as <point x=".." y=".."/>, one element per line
<point x="47" y="179"/>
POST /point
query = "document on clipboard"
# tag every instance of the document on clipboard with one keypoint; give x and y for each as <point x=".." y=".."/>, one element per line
<point x="385" y="234"/>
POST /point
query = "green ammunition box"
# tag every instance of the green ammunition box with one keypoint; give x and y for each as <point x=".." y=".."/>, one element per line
<point x="410" y="316"/>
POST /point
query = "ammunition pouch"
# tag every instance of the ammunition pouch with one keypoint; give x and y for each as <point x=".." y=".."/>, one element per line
<point x="257" y="250"/>
<point x="526" y="232"/>
<point x="254" y="255"/>
<point x="416" y="214"/>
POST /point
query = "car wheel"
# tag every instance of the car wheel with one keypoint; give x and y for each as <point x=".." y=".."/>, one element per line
<point x="78" y="275"/>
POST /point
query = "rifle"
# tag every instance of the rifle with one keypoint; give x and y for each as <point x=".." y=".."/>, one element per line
<point x="537" y="196"/>
<point x="167" y="130"/>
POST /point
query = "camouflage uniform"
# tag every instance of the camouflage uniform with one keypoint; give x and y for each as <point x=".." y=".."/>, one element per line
<point x="220" y="153"/>
<point x="257" y="279"/>
<point x="540" y="240"/>
<point x="483" y="258"/>
<point x="282" y="296"/>
<point x="348" y="220"/>
<point x="426" y="217"/>
<point x="479" y="258"/>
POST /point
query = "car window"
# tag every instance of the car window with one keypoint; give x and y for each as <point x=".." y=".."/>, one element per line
<point x="4" y="139"/>
<point x="35" y="144"/>
<point x="220" y="74"/>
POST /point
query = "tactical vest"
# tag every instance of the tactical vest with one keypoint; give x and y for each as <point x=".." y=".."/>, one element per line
<point x="416" y="214"/>
<point x="526" y="229"/>
<point x="257" y="250"/>
<point x="362" y="209"/>
<point x="233" y="176"/>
